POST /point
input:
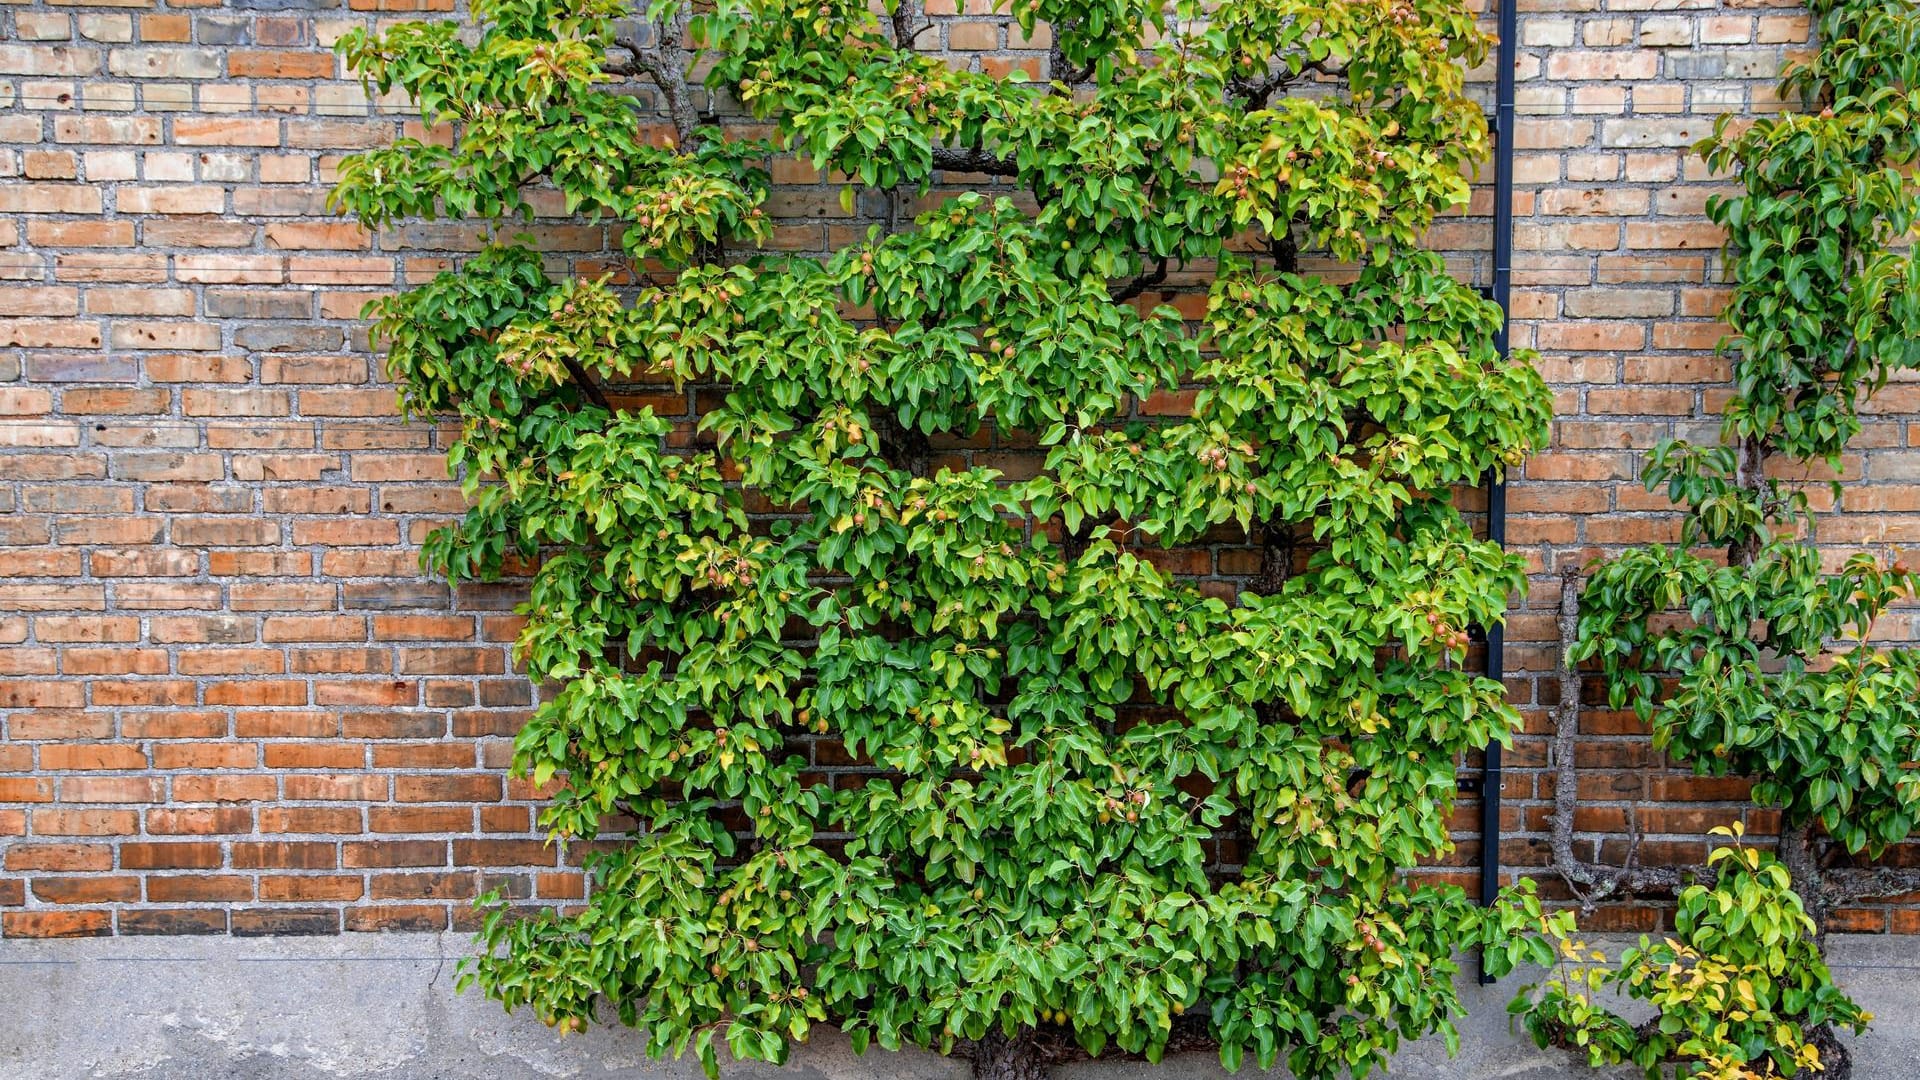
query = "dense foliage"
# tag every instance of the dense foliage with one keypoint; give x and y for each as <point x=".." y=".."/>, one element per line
<point x="1774" y="676"/>
<point x="1740" y="993"/>
<point x="1102" y="794"/>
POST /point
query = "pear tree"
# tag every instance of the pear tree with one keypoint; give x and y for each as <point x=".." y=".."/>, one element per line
<point x="1155" y="726"/>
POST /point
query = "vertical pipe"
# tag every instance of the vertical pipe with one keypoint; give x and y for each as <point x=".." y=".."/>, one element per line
<point x="1506" y="57"/>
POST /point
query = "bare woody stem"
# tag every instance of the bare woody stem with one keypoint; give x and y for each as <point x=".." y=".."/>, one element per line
<point x="1591" y="882"/>
<point x="1750" y="474"/>
<point x="586" y="384"/>
<point x="1257" y="92"/>
<point x="974" y="160"/>
<point x="1801" y="849"/>
<point x="909" y="21"/>
<point x="665" y="62"/>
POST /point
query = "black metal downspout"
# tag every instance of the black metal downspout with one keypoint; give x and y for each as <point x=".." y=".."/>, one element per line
<point x="1506" y="57"/>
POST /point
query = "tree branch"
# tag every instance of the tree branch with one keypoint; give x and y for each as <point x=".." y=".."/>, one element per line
<point x="1258" y="91"/>
<point x="1285" y="251"/>
<point x="1750" y="475"/>
<point x="1277" y="545"/>
<point x="1837" y="1058"/>
<point x="1799" y="852"/>
<point x="1142" y="283"/>
<point x="974" y="160"/>
<point x="585" y="383"/>
<point x="1051" y="1044"/>
<point x="905" y="448"/>
<point x="1822" y="889"/>
<point x="1848" y="883"/>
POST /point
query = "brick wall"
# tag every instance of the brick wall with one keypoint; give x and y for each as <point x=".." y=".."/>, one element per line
<point x="230" y="703"/>
<point x="1618" y="282"/>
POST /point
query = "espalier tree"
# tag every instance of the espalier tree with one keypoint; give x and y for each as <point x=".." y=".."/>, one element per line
<point x="1102" y="796"/>
<point x="1739" y="990"/>
<point x="1769" y="671"/>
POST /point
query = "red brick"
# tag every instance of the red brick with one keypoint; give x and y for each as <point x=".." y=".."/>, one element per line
<point x="269" y="64"/>
<point x="112" y="789"/>
<point x="260" y="922"/>
<point x="172" y="921"/>
<point x="56" y="924"/>
<point x="111" y="756"/>
<point x="283" y="854"/>
<point x="172" y="855"/>
<point x="504" y="853"/>
<point x="85" y="822"/>
<point x="225" y="132"/>
<point x="227" y="788"/>
<point x="378" y="853"/>
<point x="314" y="820"/>
<point x="86" y="890"/>
<point x="311" y="888"/>
<point x="465" y="788"/>
<point x="414" y="918"/>
<point x="59" y="857"/>
<point x="199" y="821"/>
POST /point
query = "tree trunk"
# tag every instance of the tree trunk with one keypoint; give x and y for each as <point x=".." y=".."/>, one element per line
<point x="996" y="1057"/>
<point x="1835" y="1059"/>
<point x="1799" y="854"/>
<point x="1749" y="474"/>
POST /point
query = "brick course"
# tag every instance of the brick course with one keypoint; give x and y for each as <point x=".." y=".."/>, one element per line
<point x="230" y="703"/>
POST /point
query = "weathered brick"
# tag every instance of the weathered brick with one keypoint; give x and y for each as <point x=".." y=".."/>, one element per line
<point x="225" y="131"/>
<point x="309" y="888"/>
<point x="47" y="60"/>
<point x="273" y="64"/>
<point x="51" y="822"/>
<point x="173" y="855"/>
<point x="21" y="857"/>
<point x="393" y="853"/>
<point x="71" y="234"/>
<point x="198" y="821"/>
<point x="42" y="25"/>
<point x="262" y="922"/>
<point x="56" y="924"/>
<point x="171" y="200"/>
<point x="165" y="63"/>
<point x="49" y="334"/>
<point x="172" y="921"/>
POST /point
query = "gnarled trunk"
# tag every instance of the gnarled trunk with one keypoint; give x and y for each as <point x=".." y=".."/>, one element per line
<point x="996" y="1057"/>
<point x="1749" y="474"/>
<point x="1799" y="853"/>
<point x="1835" y="1060"/>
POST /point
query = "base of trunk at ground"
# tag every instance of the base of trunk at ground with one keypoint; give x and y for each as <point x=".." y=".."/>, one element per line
<point x="1023" y="1057"/>
<point x="1836" y="1059"/>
